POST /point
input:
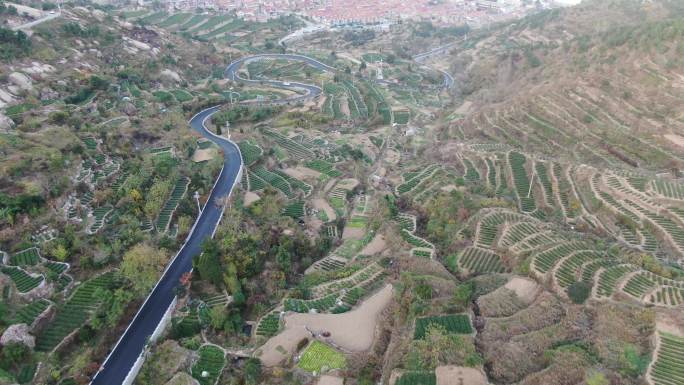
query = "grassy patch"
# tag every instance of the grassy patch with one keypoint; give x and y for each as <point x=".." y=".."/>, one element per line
<point x="319" y="355"/>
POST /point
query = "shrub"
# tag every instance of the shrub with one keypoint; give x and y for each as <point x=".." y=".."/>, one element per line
<point x="579" y="292"/>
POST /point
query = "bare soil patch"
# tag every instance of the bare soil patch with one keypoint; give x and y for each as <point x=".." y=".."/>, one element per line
<point x="250" y="197"/>
<point x="352" y="331"/>
<point x="526" y="289"/>
<point x="302" y="173"/>
<point x="322" y="204"/>
<point x="347" y="184"/>
<point x="330" y="380"/>
<point x="676" y="139"/>
<point x="376" y="246"/>
<point x="459" y="375"/>
<point x="392" y="156"/>
<point x="203" y="155"/>
<point x="353" y="233"/>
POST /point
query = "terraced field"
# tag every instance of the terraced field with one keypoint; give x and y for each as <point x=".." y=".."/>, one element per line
<point x="30" y="312"/>
<point x="477" y="260"/>
<point x="74" y="313"/>
<point x="22" y="280"/>
<point x="171" y="204"/>
<point x="28" y="257"/>
<point x="319" y="355"/>
<point x="294" y="149"/>
<point x="454" y="323"/>
<point x="522" y="182"/>
<point x="668" y="368"/>
<point x="211" y="360"/>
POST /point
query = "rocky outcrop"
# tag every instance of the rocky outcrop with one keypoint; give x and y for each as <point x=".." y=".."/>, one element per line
<point x="170" y="76"/>
<point x="6" y="123"/>
<point x="18" y="333"/>
<point x="20" y="80"/>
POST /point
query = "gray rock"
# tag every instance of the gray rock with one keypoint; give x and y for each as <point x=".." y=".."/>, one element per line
<point x="18" y="333"/>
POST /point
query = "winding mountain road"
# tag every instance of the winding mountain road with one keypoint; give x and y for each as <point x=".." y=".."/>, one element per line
<point x="124" y="361"/>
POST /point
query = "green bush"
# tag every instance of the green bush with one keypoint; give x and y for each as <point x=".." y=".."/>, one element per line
<point x="579" y="292"/>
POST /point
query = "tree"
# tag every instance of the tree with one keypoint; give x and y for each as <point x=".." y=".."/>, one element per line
<point x="208" y="264"/>
<point x="60" y="252"/>
<point x="253" y="371"/>
<point x="217" y="317"/>
<point x="579" y="292"/>
<point x="156" y="197"/>
<point x="143" y="265"/>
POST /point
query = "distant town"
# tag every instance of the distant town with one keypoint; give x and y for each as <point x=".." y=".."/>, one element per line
<point x="332" y="12"/>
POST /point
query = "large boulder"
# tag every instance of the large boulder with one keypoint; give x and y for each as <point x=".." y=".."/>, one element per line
<point x="6" y="123"/>
<point x="18" y="333"/>
<point x="20" y="80"/>
<point x="170" y="76"/>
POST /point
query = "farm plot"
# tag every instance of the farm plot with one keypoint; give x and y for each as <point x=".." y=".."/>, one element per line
<point x="30" y="312"/>
<point x="414" y="240"/>
<point x="305" y="306"/>
<point x="545" y="181"/>
<point x="324" y="167"/>
<point x="412" y="180"/>
<point x="175" y="19"/>
<point x="517" y="232"/>
<point x="668" y="368"/>
<point x="417" y="378"/>
<point x="255" y="183"/>
<point x="28" y="257"/>
<point x="194" y="21"/>
<point x="567" y="271"/>
<point x="639" y="284"/>
<point x="22" y="280"/>
<point x="250" y="152"/>
<point x="295" y="210"/>
<point x="546" y="260"/>
<point x="74" y="313"/>
<point x="564" y="191"/>
<point x="381" y="104"/>
<point x="668" y="189"/>
<point x="99" y="216"/>
<point x="471" y="174"/>
<point x="609" y="278"/>
<point x="452" y="323"/>
<point x="319" y="356"/>
<point x="211" y="360"/>
<point x="401" y="116"/>
<point x="296" y="150"/>
<point x="668" y="295"/>
<point x="269" y="325"/>
<point x="359" y="107"/>
<point x="295" y="183"/>
<point x="166" y="213"/>
<point x="274" y="180"/>
<point x="491" y="173"/>
<point x="477" y="260"/>
<point x="522" y="182"/>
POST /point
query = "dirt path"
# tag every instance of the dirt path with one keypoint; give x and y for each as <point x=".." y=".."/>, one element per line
<point x="322" y="204"/>
<point x="376" y="246"/>
<point x="352" y="331"/>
